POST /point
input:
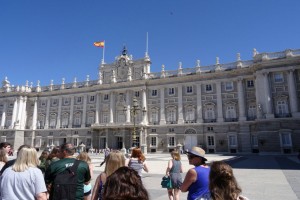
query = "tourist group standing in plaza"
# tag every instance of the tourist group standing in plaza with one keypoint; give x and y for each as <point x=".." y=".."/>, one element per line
<point x="58" y="175"/>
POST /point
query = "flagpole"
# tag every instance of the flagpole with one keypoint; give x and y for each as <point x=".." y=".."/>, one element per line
<point x="103" y="53"/>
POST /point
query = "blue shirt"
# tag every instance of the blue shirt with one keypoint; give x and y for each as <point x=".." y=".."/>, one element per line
<point x="200" y="188"/>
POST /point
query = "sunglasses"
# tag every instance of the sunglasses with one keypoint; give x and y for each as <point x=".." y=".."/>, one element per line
<point x="191" y="156"/>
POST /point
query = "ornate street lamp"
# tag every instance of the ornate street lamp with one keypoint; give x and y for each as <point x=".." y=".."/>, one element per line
<point x="134" y="111"/>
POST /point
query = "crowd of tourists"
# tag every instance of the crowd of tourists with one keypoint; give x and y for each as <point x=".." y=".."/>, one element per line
<point x="59" y="175"/>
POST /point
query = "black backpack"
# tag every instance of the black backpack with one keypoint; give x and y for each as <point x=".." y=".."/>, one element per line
<point x="65" y="183"/>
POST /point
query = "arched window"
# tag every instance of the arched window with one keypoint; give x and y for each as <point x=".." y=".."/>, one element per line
<point x="171" y="114"/>
<point x="52" y="123"/>
<point x="65" y="120"/>
<point x="154" y="115"/>
<point x="91" y="118"/>
<point x="77" y="119"/>
<point x="190" y="114"/>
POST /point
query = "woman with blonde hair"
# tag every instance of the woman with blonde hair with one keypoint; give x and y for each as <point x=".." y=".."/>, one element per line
<point x="24" y="180"/>
<point x="222" y="183"/>
<point x="3" y="158"/>
<point x="87" y="188"/>
<point x="114" y="161"/>
<point x="174" y="171"/>
<point x="137" y="161"/>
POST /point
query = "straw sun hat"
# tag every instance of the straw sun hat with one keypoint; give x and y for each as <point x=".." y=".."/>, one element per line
<point x="197" y="151"/>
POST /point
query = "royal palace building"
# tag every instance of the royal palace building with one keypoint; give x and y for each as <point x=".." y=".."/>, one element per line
<point x="239" y="107"/>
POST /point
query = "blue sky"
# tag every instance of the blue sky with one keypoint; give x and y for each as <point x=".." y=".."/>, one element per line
<point x="53" y="39"/>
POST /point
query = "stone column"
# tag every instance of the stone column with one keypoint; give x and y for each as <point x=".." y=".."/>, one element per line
<point x="83" y="122"/>
<point x="58" y="120"/>
<point x="23" y="113"/>
<point x="3" y="115"/>
<point x="219" y="102"/>
<point x="15" y="112"/>
<point x="180" y="110"/>
<point x="14" y="115"/>
<point x="47" y="113"/>
<point x="241" y="100"/>
<point x="199" y="104"/>
<point x="112" y="107"/>
<point x="162" y="106"/>
<point x="71" y="112"/>
<point x="128" y="103"/>
<point x="144" y="107"/>
<point x="97" y="108"/>
<point x="34" y="122"/>
<point x="268" y="96"/>
<point x="293" y="94"/>
<point x="34" y="115"/>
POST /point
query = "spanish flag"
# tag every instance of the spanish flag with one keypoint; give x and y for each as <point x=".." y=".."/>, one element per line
<point x="99" y="44"/>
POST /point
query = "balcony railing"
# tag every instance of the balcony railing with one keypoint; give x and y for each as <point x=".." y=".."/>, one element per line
<point x="52" y="127"/>
<point x="209" y="120"/>
<point x="76" y="126"/>
<point x="40" y="127"/>
<point x="88" y="125"/>
<point x="171" y="122"/>
<point x="231" y="119"/>
<point x="190" y="121"/>
<point x="283" y="115"/>
<point x="252" y="118"/>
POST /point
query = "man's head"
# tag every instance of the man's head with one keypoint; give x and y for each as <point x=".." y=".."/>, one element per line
<point x="66" y="150"/>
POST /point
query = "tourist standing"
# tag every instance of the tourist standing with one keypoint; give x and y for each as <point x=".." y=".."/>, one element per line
<point x="23" y="180"/>
<point x="125" y="184"/>
<point x="174" y="171"/>
<point x="67" y="160"/>
<point x="222" y="183"/>
<point x="114" y="161"/>
<point x="3" y="158"/>
<point x="87" y="188"/>
<point x="196" y="179"/>
<point x="137" y="161"/>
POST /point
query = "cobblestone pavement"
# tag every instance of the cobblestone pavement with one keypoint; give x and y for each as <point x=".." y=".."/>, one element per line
<point x="261" y="177"/>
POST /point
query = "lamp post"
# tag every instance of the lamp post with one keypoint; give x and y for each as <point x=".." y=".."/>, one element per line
<point x="134" y="111"/>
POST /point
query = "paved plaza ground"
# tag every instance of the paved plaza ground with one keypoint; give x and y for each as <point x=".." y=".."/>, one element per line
<point x="261" y="177"/>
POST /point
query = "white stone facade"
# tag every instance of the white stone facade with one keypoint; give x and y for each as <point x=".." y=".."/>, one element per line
<point x="243" y="106"/>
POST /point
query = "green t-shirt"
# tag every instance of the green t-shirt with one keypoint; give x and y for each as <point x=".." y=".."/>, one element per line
<point x="83" y="174"/>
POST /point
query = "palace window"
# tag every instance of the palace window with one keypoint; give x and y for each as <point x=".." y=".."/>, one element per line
<point x="252" y="111"/>
<point x="230" y="112"/>
<point x="106" y="97"/>
<point x="91" y="118"/>
<point x="210" y="140"/>
<point x="171" y="130"/>
<point x="190" y="113"/>
<point x="286" y="140"/>
<point x="208" y="88"/>
<point x="229" y="86"/>
<point x="171" y="91"/>
<point x="250" y="83"/>
<point x="153" y="130"/>
<point x="282" y="108"/>
<point x="137" y="93"/>
<point x="171" y="141"/>
<point x="65" y="120"/>
<point x="232" y="140"/>
<point x="171" y="115"/>
<point x="92" y="98"/>
<point x="278" y="77"/>
<point x="154" y="93"/>
<point x="254" y="141"/>
<point x="77" y="119"/>
<point x="153" y="141"/>
<point x="154" y="116"/>
<point x="210" y="128"/>
<point x="78" y="100"/>
<point x="189" y="89"/>
<point x="210" y="112"/>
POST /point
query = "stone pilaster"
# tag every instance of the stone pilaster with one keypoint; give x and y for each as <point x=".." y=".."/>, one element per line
<point x="199" y="104"/>
<point x="162" y="106"/>
<point x="241" y="99"/>
<point x="219" y="102"/>
<point x="180" y="110"/>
